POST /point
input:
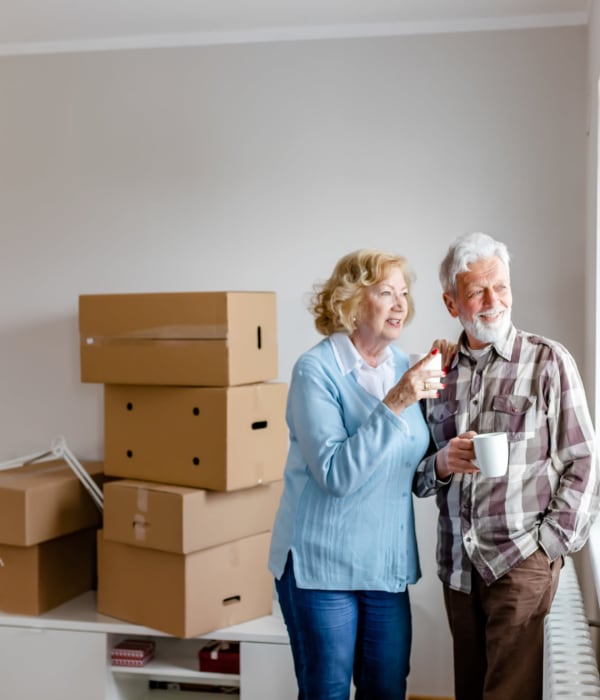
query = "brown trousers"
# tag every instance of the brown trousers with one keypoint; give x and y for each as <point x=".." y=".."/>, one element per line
<point x="498" y="632"/>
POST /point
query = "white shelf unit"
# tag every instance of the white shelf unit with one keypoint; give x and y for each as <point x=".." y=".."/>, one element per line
<point x="176" y="660"/>
<point x="64" y="654"/>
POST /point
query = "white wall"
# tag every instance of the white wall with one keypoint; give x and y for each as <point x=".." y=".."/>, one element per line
<point x="256" y="167"/>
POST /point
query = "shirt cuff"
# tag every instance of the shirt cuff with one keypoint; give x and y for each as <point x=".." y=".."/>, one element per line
<point x="431" y="480"/>
<point x="443" y="458"/>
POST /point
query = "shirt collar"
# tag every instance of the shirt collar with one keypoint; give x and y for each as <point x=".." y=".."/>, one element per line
<point x="503" y="347"/>
<point x="348" y="357"/>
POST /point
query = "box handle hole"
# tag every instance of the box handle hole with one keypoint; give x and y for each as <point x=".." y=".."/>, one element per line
<point x="232" y="599"/>
<point x="259" y="337"/>
<point x="259" y="425"/>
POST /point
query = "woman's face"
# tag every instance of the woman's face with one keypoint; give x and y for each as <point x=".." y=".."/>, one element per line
<point x="383" y="310"/>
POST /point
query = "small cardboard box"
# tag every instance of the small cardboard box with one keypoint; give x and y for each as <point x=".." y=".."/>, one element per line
<point x="185" y="595"/>
<point x="178" y="338"/>
<point x="45" y="500"/>
<point x="37" y="578"/>
<point x="212" y="438"/>
<point x="182" y="519"/>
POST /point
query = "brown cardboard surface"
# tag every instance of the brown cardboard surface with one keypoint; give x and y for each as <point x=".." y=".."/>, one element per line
<point x="37" y="578"/>
<point x="178" y="338"/>
<point x="45" y="500"/>
<point x="182" y="519"/>
<point x="223" y="438"/>
<point x="185" y="594"/>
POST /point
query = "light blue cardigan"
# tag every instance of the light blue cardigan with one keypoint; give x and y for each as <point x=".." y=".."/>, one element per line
<point x="346" y="511"/>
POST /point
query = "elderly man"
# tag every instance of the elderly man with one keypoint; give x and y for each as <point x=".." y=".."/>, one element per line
<point x="501" y="541"/>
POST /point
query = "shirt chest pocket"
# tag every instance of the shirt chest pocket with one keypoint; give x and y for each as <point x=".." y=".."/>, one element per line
<point x="515" y="415"/>
<point x="442" y="422"/>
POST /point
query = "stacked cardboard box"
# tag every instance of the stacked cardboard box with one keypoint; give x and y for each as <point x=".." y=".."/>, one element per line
<point x="48" y="525"/>
<point x="195" y="428"/>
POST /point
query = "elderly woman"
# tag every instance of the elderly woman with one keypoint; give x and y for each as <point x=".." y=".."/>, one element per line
<point x="343" y="548"/>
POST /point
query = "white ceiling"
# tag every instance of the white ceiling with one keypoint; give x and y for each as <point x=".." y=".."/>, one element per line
<point x="37" y="26"/>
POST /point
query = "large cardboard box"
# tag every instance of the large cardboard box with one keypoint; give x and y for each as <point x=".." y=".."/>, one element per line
<point x="182" y="519"/>
<point x="178" y="338"/>
<point x="185" y="594"/>
<point x="222" y="438"/>
<point x="45" y="500"/>
<point x="38" y="578"/>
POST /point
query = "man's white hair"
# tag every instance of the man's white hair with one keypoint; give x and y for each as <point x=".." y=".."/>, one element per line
<point x="467" y="249"/>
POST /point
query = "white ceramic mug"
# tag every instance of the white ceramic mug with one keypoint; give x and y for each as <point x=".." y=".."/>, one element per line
<point x="491" y="453"/>
<point x="435" y="361"/>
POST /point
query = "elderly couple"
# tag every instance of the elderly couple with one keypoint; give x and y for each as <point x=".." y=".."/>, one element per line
<point x="366" y="431"/>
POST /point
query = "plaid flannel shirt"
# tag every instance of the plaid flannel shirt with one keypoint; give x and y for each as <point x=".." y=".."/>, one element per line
<point x="529" y="387"/>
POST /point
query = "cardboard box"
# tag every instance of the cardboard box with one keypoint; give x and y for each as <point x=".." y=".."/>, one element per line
<point x="178" y="338"/>
<point x="38" y="578"/>
<point x="185" y="594"/>
<point x="182" y="519"/>
<point x="45" y="500"/>
<point x="212" y="438"/>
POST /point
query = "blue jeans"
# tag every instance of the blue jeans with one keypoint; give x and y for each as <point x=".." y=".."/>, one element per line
<point x="338" y="635"/>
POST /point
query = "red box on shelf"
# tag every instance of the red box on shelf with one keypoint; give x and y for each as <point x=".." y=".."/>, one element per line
<point x="220" y="657"/>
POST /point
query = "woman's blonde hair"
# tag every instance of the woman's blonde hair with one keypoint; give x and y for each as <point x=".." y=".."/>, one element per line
<point x="336" y="301"/>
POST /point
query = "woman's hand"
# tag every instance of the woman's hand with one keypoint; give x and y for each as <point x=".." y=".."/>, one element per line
<point x="417" y="383"/>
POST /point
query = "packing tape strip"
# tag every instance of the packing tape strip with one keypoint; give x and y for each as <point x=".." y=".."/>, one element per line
<point x="142" y="499"/>
<point x="176" y="332"/>
<point x="140" y="526"/>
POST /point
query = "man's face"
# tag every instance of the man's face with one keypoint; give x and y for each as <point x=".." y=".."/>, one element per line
<point x="483" y="301"/>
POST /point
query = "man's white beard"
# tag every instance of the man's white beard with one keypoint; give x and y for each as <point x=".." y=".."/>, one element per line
<point x="488" y="332"/>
